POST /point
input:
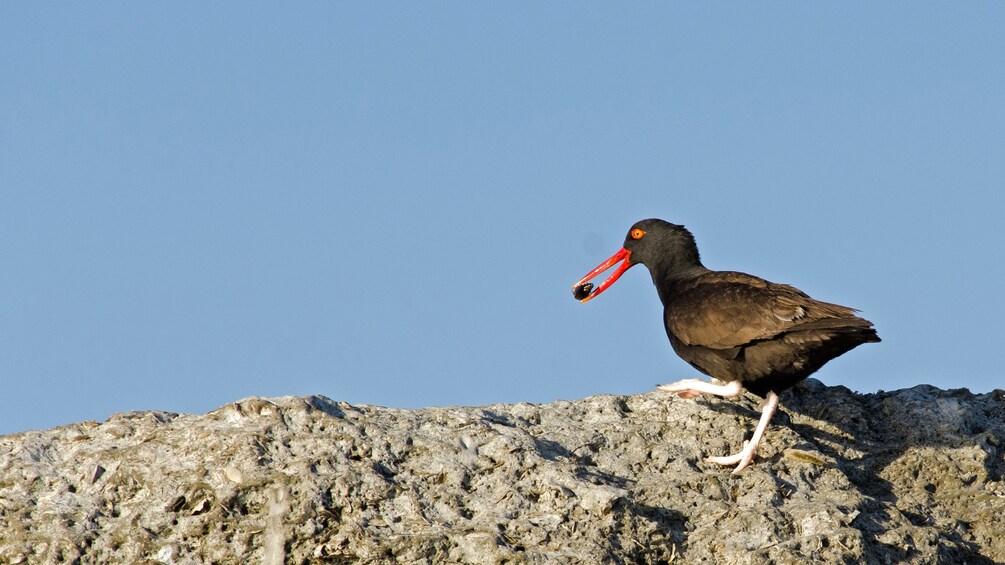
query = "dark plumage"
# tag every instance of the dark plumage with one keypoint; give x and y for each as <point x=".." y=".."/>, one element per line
<point x="734" y="327"/>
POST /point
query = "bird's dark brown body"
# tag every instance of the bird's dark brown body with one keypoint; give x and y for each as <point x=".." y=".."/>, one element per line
<point x="737" y="328"/>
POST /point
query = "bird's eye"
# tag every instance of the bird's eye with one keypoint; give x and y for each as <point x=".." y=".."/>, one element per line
<point x="637" y="233"/>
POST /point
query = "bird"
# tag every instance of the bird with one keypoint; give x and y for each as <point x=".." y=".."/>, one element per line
<point x="743" y="331"/>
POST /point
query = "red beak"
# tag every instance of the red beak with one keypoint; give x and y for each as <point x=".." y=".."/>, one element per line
<point x="578" y="288"/>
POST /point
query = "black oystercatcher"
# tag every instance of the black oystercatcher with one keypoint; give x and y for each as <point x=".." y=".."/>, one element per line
<point x="737" y="328"/>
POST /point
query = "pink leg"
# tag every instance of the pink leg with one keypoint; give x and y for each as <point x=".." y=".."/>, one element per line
<point x="690" y="388"/>
<point x="746" y="455"/>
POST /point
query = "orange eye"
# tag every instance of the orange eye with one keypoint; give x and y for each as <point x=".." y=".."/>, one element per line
<point x="637" y="233"/>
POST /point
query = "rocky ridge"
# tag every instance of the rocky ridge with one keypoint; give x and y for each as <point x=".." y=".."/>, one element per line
<point x="910" y="476"/>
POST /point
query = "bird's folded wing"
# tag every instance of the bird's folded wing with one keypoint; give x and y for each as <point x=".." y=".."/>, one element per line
<point x="736" y="311"/>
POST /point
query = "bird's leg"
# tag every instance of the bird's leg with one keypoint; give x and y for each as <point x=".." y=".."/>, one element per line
<point x="746" y="455"/>
<point x="690" y="388"/>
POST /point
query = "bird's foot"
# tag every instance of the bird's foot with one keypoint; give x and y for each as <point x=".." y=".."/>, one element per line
<point x="746" y="455"/>
<point x="741" y="458"/>
<point x="690" y="388"/>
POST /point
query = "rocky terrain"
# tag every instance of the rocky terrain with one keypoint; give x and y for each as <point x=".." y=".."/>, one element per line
<point x="911" y="476"/>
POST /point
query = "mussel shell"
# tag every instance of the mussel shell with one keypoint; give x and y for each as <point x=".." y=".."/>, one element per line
<point x="582" y="291"/>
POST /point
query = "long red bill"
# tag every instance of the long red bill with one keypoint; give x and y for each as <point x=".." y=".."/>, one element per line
<point x="581" y="290"/>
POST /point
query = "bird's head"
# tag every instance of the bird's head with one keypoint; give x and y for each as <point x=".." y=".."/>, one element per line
<point x="664" y="248"/>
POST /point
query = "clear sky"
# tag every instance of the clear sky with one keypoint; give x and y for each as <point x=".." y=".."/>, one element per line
<point x="388" y="203"/>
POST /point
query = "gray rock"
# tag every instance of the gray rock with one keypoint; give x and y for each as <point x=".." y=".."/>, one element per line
<point x="912" y="476"/>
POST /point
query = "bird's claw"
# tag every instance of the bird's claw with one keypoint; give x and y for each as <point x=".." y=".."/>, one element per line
<point x="683" y="388"/>
<point x="741" y="459"/>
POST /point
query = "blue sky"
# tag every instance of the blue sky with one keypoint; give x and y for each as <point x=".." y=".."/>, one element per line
<point x="388" y="203"/>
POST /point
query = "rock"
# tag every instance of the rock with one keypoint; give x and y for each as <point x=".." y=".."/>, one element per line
<point x="909" y="476"/>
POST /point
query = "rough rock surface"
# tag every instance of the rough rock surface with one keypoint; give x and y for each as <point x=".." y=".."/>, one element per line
<point x="909" y="476"/>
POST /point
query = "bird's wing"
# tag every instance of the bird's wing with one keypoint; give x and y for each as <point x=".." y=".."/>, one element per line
<point x="734" y="309"/>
